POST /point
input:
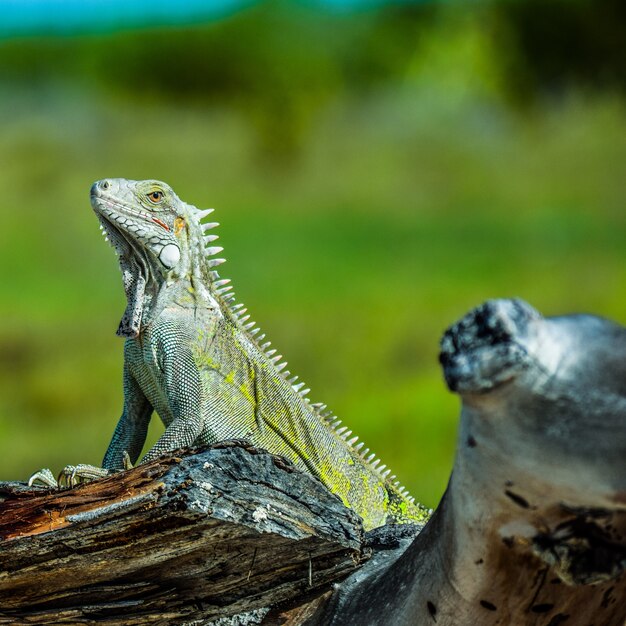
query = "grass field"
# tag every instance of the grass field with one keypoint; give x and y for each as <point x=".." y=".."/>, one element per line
<point x="397" y="215"/>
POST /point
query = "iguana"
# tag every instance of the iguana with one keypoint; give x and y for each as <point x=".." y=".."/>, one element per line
<point x="193" y="356"/>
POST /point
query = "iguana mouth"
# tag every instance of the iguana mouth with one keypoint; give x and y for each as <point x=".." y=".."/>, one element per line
<point x="161" y="224"/>
<point x="113" y="236"/>
<point x="109" y="213"/>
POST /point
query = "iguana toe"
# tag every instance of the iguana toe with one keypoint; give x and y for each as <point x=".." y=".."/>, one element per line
<point x="73" y="475"/>
<point x="128" y="464"/>
<point x="45" y="477"/>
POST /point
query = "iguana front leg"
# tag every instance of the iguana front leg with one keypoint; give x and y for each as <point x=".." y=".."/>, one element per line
<point x="183" y="390"/>
<point x="131" y="430"/>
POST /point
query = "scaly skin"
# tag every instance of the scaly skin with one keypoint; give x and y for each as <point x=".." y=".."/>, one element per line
<point x="192" y="356"/>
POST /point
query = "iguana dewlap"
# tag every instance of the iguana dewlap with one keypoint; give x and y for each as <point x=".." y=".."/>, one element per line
<point x="192" y="355"/>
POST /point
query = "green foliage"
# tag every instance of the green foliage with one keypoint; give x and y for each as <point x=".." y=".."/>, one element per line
<point x="373" y="185"/>
<point x="277" y="63"/>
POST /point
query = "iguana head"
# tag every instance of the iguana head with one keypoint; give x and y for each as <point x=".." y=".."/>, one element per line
<point x="157" y="237"/>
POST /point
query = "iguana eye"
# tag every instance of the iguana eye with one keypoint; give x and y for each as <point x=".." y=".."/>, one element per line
<point x="155" y="196"/>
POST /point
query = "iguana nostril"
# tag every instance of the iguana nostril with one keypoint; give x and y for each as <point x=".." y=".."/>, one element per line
<point x="104" y="184"/>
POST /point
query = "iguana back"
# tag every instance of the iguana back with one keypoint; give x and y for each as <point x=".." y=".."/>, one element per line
<point x="192" y="355"/>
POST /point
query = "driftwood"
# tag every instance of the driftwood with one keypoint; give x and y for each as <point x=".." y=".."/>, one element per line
<point x="225" y="531"/>
<point x="531" y="530"/>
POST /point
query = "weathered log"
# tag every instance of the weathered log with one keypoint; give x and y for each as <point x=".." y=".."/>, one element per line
<point x="199" y="537"/>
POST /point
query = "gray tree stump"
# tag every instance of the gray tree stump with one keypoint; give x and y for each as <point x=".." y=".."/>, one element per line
<point x="532" y="528"/>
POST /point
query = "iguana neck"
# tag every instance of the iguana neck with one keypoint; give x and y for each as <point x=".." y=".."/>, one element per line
<point x="149" y="290"/>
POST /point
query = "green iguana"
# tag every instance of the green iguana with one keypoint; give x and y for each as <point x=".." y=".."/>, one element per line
<point x="193" y="356"/>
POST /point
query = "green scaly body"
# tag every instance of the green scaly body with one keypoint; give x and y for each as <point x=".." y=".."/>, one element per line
<point x="193" y="356"/>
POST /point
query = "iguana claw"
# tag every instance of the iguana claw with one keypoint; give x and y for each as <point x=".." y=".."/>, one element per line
<point x="73" y="475"/>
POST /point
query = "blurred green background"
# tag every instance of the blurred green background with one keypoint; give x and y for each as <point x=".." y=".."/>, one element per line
<point x="377" y="169"/>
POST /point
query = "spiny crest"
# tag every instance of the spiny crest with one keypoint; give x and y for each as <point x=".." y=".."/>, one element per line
<point x="223" y="288"/>
<point x="205" y="248"/>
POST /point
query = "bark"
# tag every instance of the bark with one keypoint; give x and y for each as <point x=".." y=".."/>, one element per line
<point x="531" y="530"/>
<point x="213" y="534"/>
